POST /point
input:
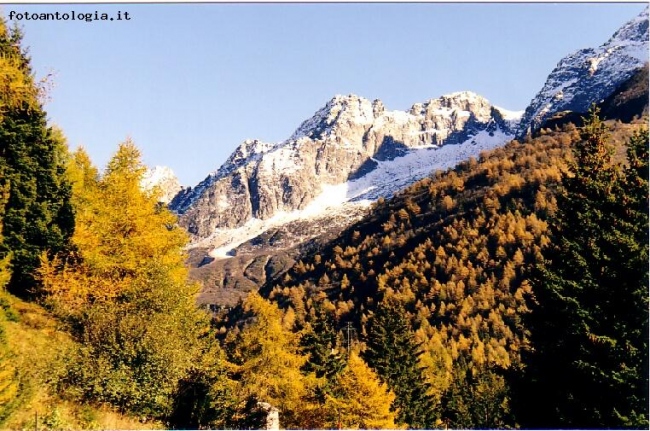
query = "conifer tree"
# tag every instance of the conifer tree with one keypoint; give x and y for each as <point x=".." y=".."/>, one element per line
<point x="590" y="325"/>
<point x="360" y="400"/>
<point x="320" y="341"/>
<point x="5" y="270"/>
<point x="124" y="291"/>
<point x="267" y="366"/>
<point x="476" y="399"/>
<point x="38" y="216"/>
<point x="393" y="353"/>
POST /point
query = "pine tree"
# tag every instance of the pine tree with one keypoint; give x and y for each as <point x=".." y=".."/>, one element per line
<point x="476" y="399"/>
<point x="38" y="215"/>
<point x="320" y="341"/>
<point x="393" y="353"/>
<point x="590" y="325"/>
<point x="5" y="270"/>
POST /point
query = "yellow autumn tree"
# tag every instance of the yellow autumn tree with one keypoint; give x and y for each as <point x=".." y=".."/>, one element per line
<point x="17" y="89"/>
<point x="361" y="401"/>
<point x="124" y="290"/>
<point x="5" y="272"/>
<point x="267" y="365"/>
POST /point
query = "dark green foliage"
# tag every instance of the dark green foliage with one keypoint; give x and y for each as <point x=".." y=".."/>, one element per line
<point x="590" y="325"/>
<point x="204" y="398"/>
<point x="476" y="399"/>
<point x="320" y="341"/>
<point x="393" y="353"/>
<point x="191" y="407"/>
<point x="38" y="215"/>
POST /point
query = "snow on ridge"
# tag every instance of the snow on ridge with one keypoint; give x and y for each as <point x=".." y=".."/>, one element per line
<point x="338" y="199"/>
<point x="509" y="115"/>
<point x="590" y="73"/>
<point x="635" y="30"/>
<point x="155" y="176"/>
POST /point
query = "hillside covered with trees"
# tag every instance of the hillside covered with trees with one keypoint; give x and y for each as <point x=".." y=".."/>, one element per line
<point x="467" y="255"/>
<point x="510" y="291"/>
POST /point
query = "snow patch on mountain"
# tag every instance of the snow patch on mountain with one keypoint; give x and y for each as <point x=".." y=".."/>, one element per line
<point x="164" y="179"/>
<point x="392" y="176"/>
<point x="388" y="178"/>
<point x="331" y="201"/>
<point x="590" y="75"/>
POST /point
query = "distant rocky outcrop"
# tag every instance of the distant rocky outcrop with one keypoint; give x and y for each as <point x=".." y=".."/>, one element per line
<point x="590" y="75"/>
<point x="164" y="180"/>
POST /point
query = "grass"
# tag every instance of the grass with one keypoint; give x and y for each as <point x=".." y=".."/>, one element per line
<point x="35" y="355"/>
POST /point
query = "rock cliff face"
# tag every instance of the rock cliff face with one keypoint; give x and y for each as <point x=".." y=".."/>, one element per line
<point x="343" y="142"/>
<point x="590" y="75"/>
<point x="165" y="180"/>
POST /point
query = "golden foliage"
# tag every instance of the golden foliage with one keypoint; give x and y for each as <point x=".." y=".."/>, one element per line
<point x="361" y="401"/>
<point x="120" y="232"/>
<point x="267" y="361"/>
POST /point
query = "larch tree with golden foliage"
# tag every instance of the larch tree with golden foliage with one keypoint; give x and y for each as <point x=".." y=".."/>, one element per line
<point x="361" y="401"/>
<point x="124" y="290"/>
<point x="267" y="365"/>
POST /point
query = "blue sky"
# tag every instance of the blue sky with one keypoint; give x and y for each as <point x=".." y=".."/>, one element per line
<point x="189" y="82"/>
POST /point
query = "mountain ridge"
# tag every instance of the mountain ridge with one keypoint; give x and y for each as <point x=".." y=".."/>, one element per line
<point x="343" y="142"/>
<point x="589" y="75"/>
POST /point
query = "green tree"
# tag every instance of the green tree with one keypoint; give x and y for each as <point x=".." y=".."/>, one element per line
<point x="394" y="354"/>
<point x="476" y="399"/>
<point x="124" y="292"/>
<point x="590" y="324"/>
<point x="38" y="215"/>
<point x="5" y="269"/>
<point x="320" y="341"/>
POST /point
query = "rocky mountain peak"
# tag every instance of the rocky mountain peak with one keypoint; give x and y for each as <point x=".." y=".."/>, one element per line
<point x="250" y="149"/>
<point x="378" y="107"/>
<point x="350" y="109"/>
<point x="164" y="179"/>
<point x="635" y="30"/>
<point x="461" y="103"/>
<point x="465" y="100"/>
<point x="590" y="75"/>
<point x="337" y="148"/>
